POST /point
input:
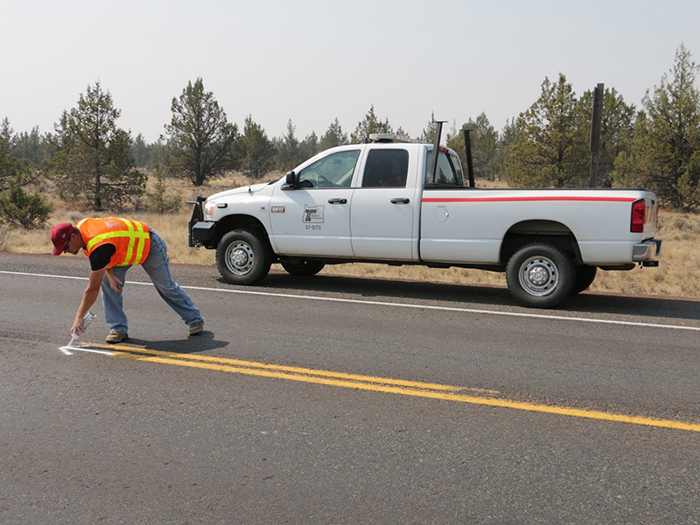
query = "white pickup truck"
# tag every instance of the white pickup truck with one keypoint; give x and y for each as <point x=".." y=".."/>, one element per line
<point x="388" y="203"/>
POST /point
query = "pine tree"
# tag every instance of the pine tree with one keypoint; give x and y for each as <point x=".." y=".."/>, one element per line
<point x="30" y="147"/>
<point x="665" y="152"/>
<point x="159" y="200"/>
<point x="89" y="155"/>
<point x="428" y="134"/>
<point x="256" y="150"/>
<point x="484" y="145"/>
<point x="333" y="136"/>
<point x="202" y="141"/>
<point x="551" y="146"/>
<point x="308" y="147"/>
<point x="10" y="166"/>
<point x="289" y="149"/>
<point x="140" y="151"/>
<point x="616" y="130"/>
<point x="368" y="126"/>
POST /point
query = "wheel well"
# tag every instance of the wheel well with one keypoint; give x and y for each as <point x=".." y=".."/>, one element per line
<point x="233" y="222"/>
<point x="551" y="232"/>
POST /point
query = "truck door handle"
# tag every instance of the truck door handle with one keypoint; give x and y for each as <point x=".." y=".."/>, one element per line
<point x="337" y="201"/>
<point x="400" y="201"/>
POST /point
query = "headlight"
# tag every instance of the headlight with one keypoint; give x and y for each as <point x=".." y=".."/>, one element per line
<point x="209" y="208"/>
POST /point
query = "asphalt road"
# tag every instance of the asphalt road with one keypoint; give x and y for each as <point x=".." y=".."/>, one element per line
<point x="344" y="400"/>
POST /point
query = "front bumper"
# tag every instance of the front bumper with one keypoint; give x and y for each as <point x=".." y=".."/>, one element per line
<point x="202" y="233"/>
<point x="647" y="252"/>
<point x="199" y="231"/>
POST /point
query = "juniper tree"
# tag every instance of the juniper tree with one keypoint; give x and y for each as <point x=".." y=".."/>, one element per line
<point x="201" y="142"/>
<point x="665" y="152"/>
<point x="551" y="145"/>
<point x="89" y="155"/>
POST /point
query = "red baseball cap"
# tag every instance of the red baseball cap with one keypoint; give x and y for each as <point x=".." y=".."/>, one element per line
<point x="59" y="236"/>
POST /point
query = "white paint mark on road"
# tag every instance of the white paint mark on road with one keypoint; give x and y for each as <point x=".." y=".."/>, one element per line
<point x="68" y="350"/>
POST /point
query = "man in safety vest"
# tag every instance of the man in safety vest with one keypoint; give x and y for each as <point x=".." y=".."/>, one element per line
<point x="113" y="245"/>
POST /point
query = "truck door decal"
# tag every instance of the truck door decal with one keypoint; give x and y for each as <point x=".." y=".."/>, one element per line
<point x="312" y="214"/>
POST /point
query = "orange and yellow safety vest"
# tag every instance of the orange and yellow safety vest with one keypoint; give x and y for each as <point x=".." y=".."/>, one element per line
<point x="131" y="239"/>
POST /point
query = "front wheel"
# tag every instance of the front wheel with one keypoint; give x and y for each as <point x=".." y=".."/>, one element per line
<point x="539" y="275"/>
<point x="303" y="268"/>
<point x="243" y="257"/>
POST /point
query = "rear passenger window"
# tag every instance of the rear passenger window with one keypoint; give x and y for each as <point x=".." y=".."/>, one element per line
<point x="386" y="168"/>
<point x="449" y="171"/>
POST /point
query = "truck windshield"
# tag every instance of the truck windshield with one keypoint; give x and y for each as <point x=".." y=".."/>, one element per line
<point x="332" y="171"/>
<point x="449" y="171"/>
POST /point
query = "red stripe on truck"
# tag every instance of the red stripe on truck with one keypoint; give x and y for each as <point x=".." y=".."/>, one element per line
<point x="527" y="199"/>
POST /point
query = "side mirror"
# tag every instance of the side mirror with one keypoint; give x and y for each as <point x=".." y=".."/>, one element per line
<point x="292" y="179"/>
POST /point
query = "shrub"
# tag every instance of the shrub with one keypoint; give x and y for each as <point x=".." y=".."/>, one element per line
<point x="20" y="208"/>
<point x="159" y="201"/>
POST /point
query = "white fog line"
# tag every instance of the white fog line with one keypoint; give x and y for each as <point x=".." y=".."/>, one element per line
<point x="398" y="305"/>
<point x="451" y="309"/>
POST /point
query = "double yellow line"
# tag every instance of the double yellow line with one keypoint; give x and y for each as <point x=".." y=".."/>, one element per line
<point x="376" y="384"/>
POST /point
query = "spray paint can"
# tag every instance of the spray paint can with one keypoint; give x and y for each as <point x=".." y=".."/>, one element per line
<point x="89" y="317"/>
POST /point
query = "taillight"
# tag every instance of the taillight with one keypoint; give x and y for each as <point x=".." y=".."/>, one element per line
<point x="638" y="212"/>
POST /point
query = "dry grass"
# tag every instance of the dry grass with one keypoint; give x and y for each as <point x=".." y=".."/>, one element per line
<point x="677" y="276"/>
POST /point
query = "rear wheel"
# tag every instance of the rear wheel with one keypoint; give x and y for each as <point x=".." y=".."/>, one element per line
<point x="302" y="268"/>
<point x="539" y="275"/>
<point x="243" y="257"/>
<point x="584" y="278"/>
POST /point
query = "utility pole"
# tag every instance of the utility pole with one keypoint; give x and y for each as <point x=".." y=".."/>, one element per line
<point x="595" y="133"/>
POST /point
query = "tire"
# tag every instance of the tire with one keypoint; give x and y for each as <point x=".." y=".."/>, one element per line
<point x="243" y="257"/>
<point x="303" y="268"/>
<point x="584" y="278"/>
<point x="539" y="275"/>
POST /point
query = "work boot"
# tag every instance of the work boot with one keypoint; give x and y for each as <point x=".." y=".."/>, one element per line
<point x="197" y="328"/>
<point x="116" y="337"/>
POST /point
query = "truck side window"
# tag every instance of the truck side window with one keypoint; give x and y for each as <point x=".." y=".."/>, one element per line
<point x="333" y="171"/>
<point x="449" y="171"/>
<point x="386" y="168"/>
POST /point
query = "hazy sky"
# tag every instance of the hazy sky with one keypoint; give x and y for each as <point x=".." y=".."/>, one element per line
<point x="313" y="61"/>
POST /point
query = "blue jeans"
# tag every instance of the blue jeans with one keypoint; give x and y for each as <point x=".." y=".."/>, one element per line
<point x="157" y="266"/>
